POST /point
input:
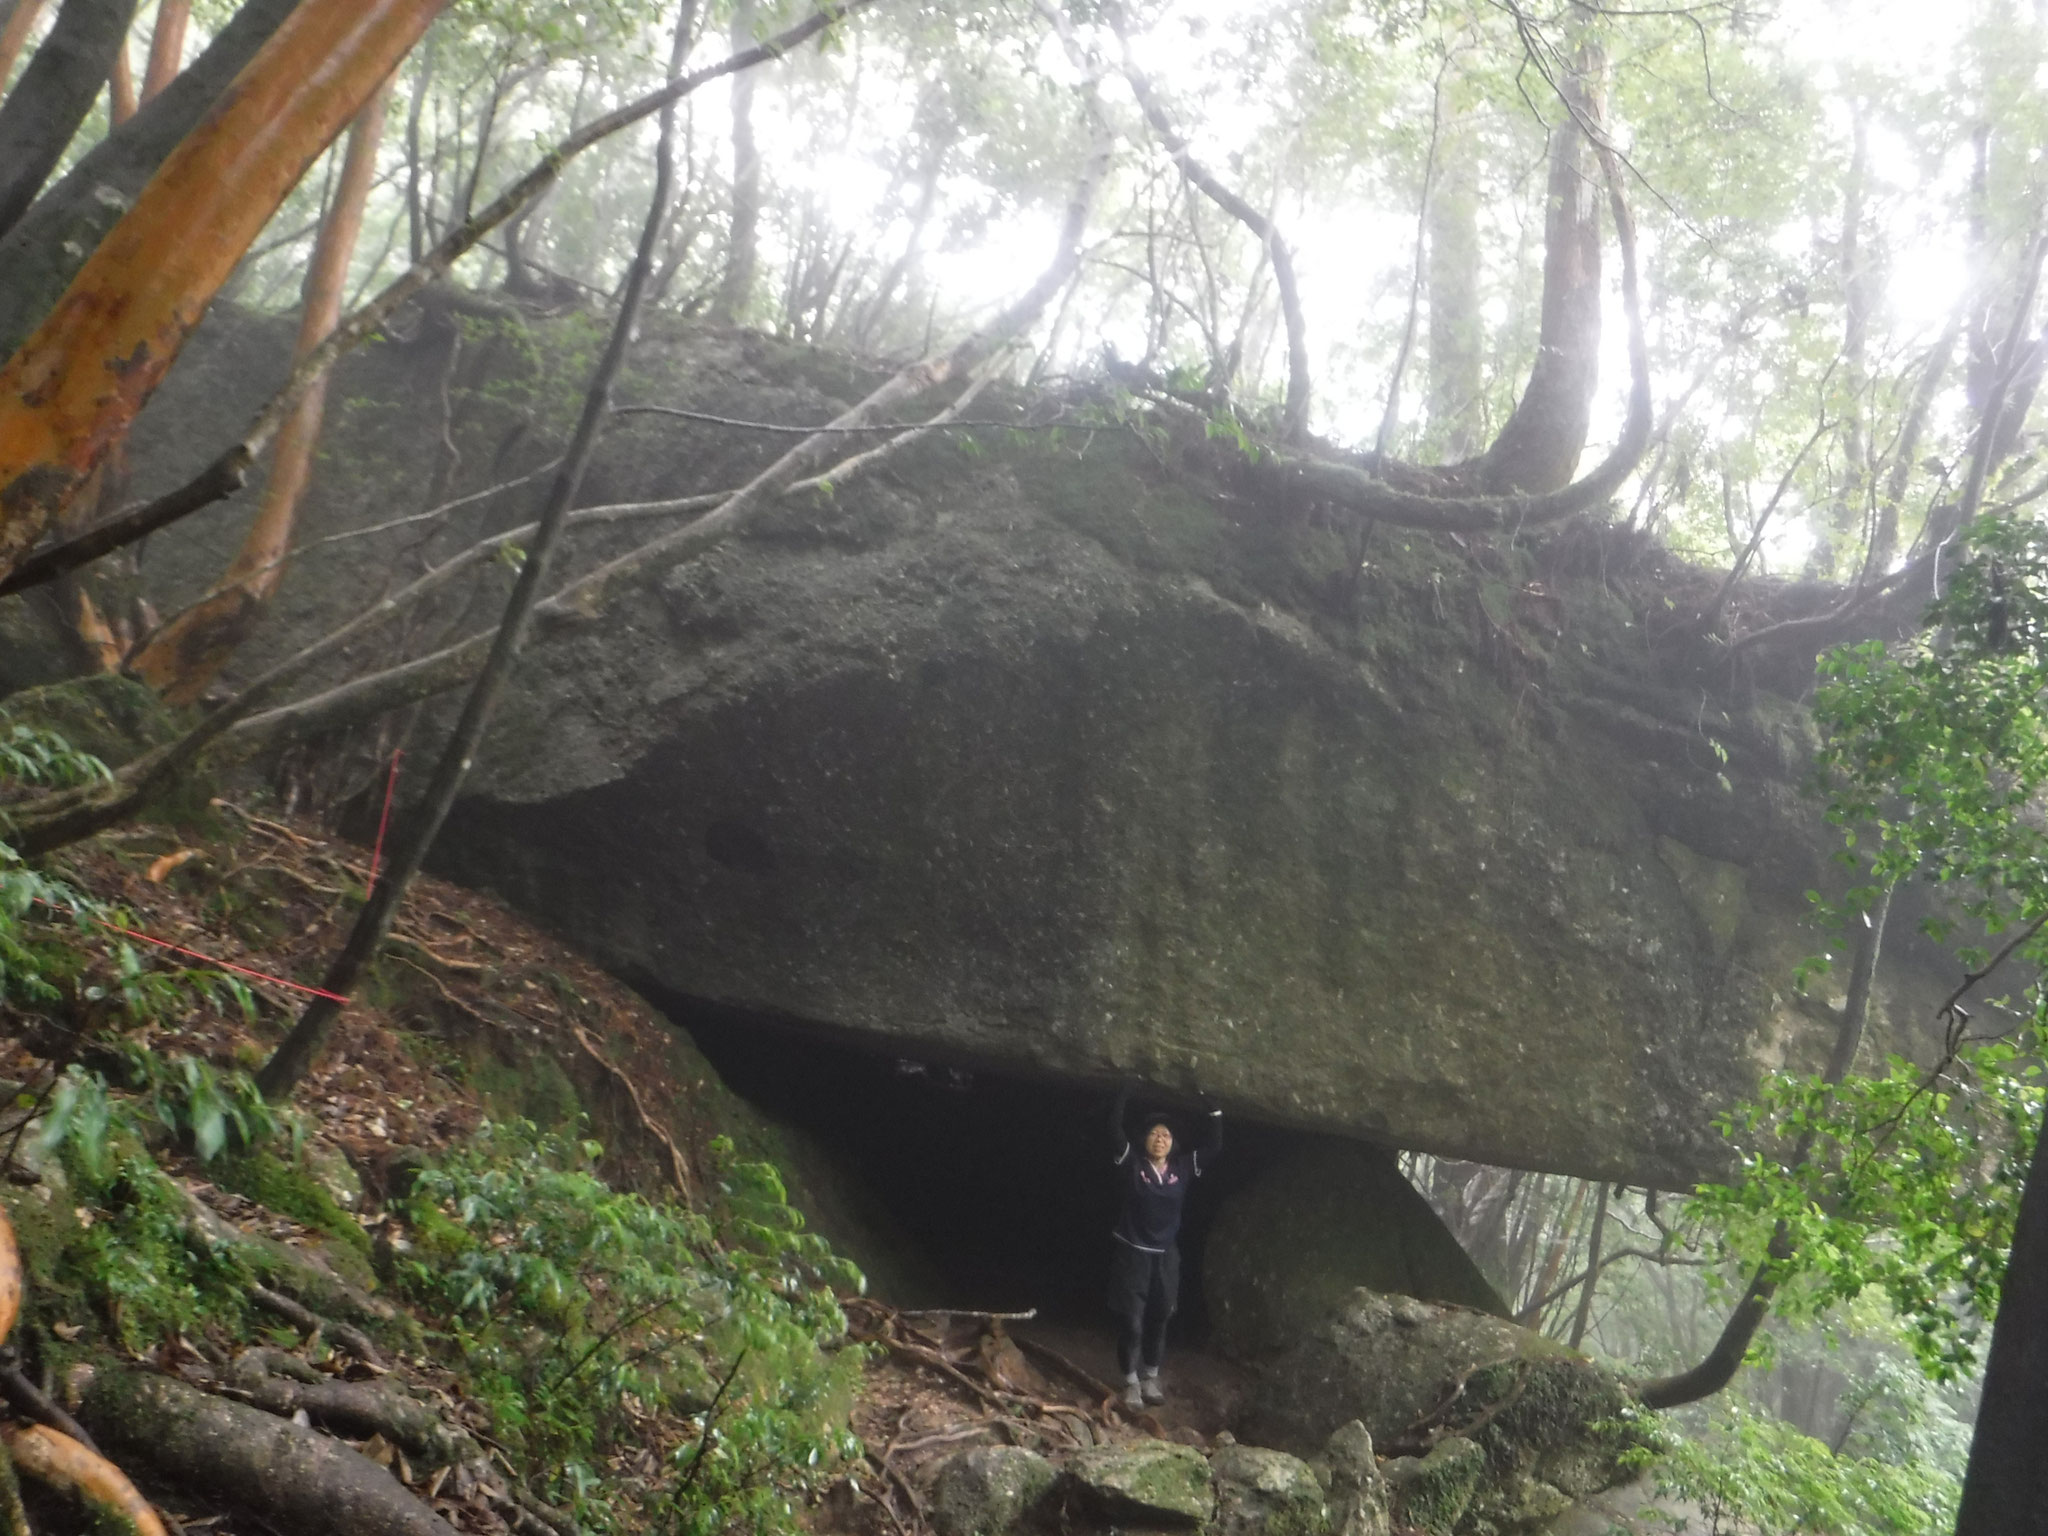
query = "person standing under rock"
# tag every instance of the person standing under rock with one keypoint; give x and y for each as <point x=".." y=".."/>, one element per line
<point x="1144" y="1270"/>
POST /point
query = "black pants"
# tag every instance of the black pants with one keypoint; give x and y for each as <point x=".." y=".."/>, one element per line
<point x="1143" y="1291"/>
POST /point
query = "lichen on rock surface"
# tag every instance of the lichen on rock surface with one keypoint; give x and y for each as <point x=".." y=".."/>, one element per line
<point x="1151" y="1482"/>
<point x="1266" y="1493"/>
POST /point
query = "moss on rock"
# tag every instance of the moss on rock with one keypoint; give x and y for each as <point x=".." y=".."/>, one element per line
<point x="1535" y="1412"/>
<point x="986" y="1491"/>
<point x="1266" y="1493"/>
<point x="1153" y="1482"/>
<point x="1431" y="1493"/>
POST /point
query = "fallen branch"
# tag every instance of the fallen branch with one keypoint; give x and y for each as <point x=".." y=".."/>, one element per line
<point x="932" y="1360"/>
<point x="985" y="1317"/>
<point x="302" y="1048"/>
<point x="449" y="667"/>
<point x="944" y="1437"/>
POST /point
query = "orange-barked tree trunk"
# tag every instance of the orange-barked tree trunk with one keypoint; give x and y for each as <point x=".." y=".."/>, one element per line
<point x="14" y="33"/>
<point x="68" y="397"/>
<point x="180" y="659"/>
<point x="121" y="102"/>
<point x="166" y="46"/>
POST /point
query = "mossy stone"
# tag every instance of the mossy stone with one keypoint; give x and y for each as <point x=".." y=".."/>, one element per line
<point x="987" y="1490"/>
<point x="297" y="1191"/>
<point x="1358" y="1497"/>
<point x="1154" y="1482"/>
<point x="1266" y="1493"/>
<point x="1432" y="1493"/>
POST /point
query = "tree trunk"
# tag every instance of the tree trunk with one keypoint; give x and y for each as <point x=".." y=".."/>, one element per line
<point x="121" y="102"/>
<point x="42" y="253"/>
<point x="415" y="209"/>
<point x="68" y="396"/>
<point x="1553" y="1262"/>
<point x="2005" y="1487"/>
<point x="742" y="256"/>
<point x="1538" y="450"/>
<point x="182" y="658"/>
<point x="166" y="46"/>
<point x="1845" y="518"/>
<point x="1457" y="338"/>
<point x="41" y="115"/>
<point x="1584" y="1314"/>
<point x="21" y="20"/>
<point x="1725" y="1358"/>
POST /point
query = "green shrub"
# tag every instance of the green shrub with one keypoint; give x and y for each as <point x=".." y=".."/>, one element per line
<point x="581" y="1316"/>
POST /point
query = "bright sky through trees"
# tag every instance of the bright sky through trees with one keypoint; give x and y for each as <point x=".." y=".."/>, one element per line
<point x="915" y="173"/>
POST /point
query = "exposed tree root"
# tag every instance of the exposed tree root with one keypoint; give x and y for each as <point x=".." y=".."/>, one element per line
<point x="295" y="1478"/>
<point x="60" y="1462"/>
<point x="13" y="1518"/>
<point x="357" y="1409"/>
<point x="32" y="1402"/>
<point x="352" y="1339"/>
<point x="322" y="1298"/>
<point x="10" y="1278"/>
<point x="678" y="1167"/>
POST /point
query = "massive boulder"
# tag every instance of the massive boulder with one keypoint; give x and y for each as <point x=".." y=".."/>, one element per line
<point x="1010" y="763"/>
<point x="1060" y="755"/>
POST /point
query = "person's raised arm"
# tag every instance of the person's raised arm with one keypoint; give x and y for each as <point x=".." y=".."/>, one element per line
<point x="1119" y="1138"/>
<point x="1212" y="1142"/>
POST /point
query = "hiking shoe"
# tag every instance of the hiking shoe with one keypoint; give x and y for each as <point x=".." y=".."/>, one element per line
<point x="1134" y="1397"/>
<point x="1151" y="1391"/>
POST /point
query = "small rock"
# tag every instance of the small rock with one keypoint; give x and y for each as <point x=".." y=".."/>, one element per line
<point x="986" y="1491"/>
<point x="1431" y="1493"/>
<point x="1154" y="1483"/>
<point x="1358" y="1500"/>
<point x="1266" y="1493"/>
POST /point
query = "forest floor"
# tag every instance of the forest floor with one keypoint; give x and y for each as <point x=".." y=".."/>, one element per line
<point x="475" y="1015"/>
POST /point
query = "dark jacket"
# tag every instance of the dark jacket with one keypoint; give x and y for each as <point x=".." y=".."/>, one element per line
<point x="1153" y="1198"/>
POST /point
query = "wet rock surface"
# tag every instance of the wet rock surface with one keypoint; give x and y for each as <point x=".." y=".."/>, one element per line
<point x="1058" y="757"/>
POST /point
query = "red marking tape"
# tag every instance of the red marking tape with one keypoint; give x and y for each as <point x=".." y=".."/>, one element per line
<point x="383" y="823"/>
<point x="212" y="960"/>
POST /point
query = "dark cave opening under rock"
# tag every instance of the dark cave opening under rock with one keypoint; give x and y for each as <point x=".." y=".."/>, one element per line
<point x="999" y="1183"/>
